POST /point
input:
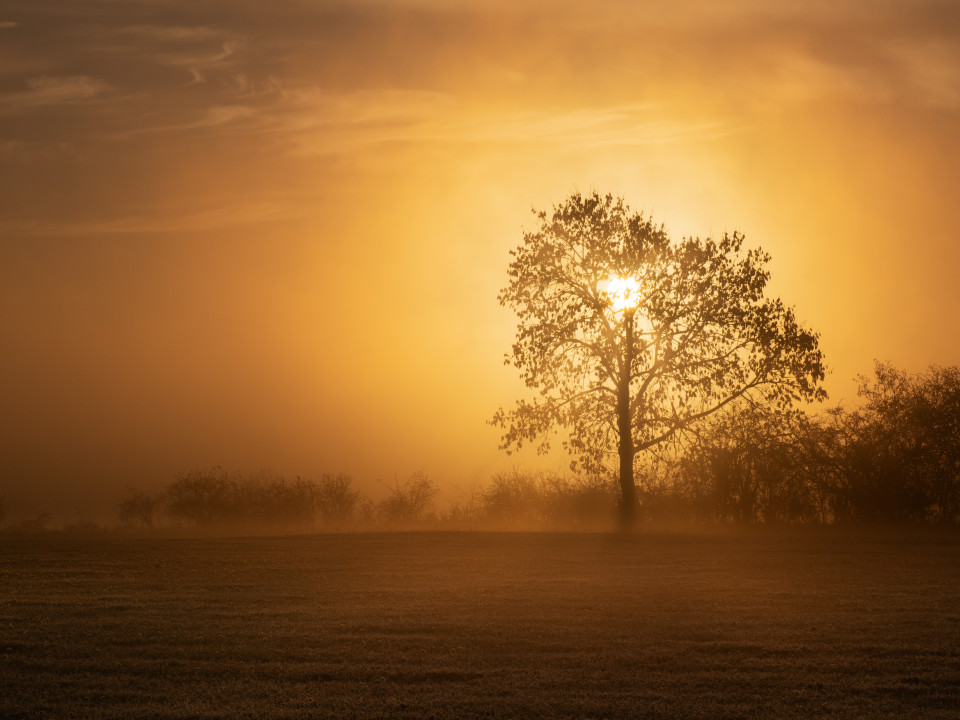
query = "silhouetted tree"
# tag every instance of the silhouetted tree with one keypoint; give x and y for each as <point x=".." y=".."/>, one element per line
<point x="751" y="463"/>
<point x="934" y="410"/>
<point x="204" y="497"/>
<point x="410" y="500"/>
<point x="898" y="455"/>
<point x="335" y="500"/>
<point x="630" y="338"/>
<point x="216" y="497"/>
<point x="523" y="499"/>
<point x="139" y="507"/>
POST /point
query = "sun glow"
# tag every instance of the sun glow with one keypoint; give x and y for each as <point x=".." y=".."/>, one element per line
<point x="624" y="292"/>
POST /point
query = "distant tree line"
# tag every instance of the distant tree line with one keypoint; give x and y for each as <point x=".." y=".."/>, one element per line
<point x="216" y="499"/>
<point x="894" y="458"/>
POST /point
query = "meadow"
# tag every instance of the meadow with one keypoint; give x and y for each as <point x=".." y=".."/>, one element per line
<point x="722" y="624"/>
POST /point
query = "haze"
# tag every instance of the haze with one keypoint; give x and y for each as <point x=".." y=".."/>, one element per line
<point x="271" y="235"/>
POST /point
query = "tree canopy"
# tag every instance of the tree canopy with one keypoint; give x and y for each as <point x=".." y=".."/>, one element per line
<point x="630" y="338"/>
<point x="898" y="455"/>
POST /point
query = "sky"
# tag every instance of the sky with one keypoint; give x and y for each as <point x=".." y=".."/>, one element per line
<point x="270" y="236"/>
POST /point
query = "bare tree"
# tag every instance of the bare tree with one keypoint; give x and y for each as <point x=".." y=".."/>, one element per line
<point x="409" y="501"/>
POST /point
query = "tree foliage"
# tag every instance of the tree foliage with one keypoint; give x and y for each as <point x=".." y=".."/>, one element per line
<point x="518" y="499"/>
<point x="898" y="455"/>
<point x="216" y="497"/>
<point x="893" y="458"/>
<point x="139" y="507"/>
<point x="753" y="463"/>
<point x="624" y="373"/>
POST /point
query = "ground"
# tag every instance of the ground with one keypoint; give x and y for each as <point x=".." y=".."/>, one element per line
<point x="471" y="625"/>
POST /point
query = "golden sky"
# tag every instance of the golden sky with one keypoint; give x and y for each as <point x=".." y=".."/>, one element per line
<point x="271" y="234"/>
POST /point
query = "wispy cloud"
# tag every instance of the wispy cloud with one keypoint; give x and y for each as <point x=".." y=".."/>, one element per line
<point x="347" y="81"/>
<point x="240" y="212"/>
<point x="932" y="69"/>
<point x="797" y="78"/>
<point x="25" y="151"/>
<point x="201" y="58"/>
<point x="198" y="50"/>
<point x="212" y="117"/>
<point x="310" y="121"/>
<point x="320" y="123"/>
<point x="199" y="72"/>
<point x="618" y="125"/>
<point x="48" y="90"/>
<point x="913" y="72"/>
<point x="8" y="24"/>
<point x="171" y="33"/>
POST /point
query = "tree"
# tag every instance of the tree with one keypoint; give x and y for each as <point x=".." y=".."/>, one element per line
<point x="336" y="500"/>
<point x="899" y="453"/>
<point x="204" y="498"/>
<point x="630" y="338"/>
<point x="753" y="463"/>
<point x="139" y="507"/>
<point x="410" y="500"/>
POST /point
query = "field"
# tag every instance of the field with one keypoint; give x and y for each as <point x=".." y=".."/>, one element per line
<point x="473" y="625"/>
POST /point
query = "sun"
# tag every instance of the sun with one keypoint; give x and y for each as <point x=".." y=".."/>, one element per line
<point x="624" y="292"/>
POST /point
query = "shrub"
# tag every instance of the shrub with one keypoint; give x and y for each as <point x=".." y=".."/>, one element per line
<point x="534" y="499"/>
<point x="335" y="501"/>
<point x="204" y="497"/>
<point x="139" y="508"/>
<point x="408" y="501"/>
<point x="512" y="497"/>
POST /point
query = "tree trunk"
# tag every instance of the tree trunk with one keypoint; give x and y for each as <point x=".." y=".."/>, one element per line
<point x="628" y="490"/>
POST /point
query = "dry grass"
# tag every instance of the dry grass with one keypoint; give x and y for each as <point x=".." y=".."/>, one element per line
<point x="815" y="624"/>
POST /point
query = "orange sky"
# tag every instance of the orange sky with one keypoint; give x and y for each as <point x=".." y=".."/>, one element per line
<point x="271" y="235"/>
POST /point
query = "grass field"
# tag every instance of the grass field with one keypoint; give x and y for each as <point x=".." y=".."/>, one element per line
<point x="464" y="625"/>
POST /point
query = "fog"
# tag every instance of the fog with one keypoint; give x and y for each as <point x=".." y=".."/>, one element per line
<point x="270" y="237"/>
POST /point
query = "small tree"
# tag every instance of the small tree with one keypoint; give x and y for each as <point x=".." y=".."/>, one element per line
<point x="336" y="501"/>
<point x="519" y="499"/>
<point x="410" y="500"/>
<point x="751" y="463"/>
<point x="139" y="507"/>
<point x="204" y="497"/>
<point x="629" y="338"/>
<point x="898" y="455"/>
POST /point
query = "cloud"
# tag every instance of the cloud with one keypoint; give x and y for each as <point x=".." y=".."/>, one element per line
<point x="932" y="70"/>
<point x="47" y="90"/>
<point x="352" y="76"/>
<point x="796" y="78"/>
<point x="8" y="24"/>
<point x="242" y="211"/>
<point x="212" y="117"/>
<point x="618" y="125"/>
<point x="171" y="33"/>
<point x="307" y="119"/>
<point x="916" y="72"/>
<point x="201" y="58"/>
<point x="318" y="123"/>
<point x="195" y="49"/>
<point x="26" y="151"/>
